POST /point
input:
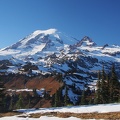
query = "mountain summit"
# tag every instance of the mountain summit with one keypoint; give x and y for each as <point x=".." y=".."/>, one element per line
<point x="40" y="41"/>
<point x="86" y="41"/>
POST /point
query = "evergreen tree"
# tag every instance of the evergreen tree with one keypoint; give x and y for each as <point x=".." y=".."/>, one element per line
<point x="119" y="97"/>
<point x="53" y="100"/>
<point x="91" y="101"/>
<point x="19" y="103"/>
<point x="97" y="99"/>
<point x="35" y="93"/>
<point x="108" y="81"/>
<point x="108" y="88"/>
<point x="66" y="97"/>
<point x="114" y="86"/>
<point x="107" y="92"/>
<point x="83" y="100"/>
<point x="99" y="75"/>
<point x="29" y="102"/>
<point x="2" y="98"/>
<point x="104" y="90"/>
<point x="56" y="99"/>
<point x="11" y="104"/>
<point x="103" y="73"/>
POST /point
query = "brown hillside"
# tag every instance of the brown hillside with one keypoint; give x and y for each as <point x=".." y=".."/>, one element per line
<point x="16" y="82"/>
<point x="51" y="84"/>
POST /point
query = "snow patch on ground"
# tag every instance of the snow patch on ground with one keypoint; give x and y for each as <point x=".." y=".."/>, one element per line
<point x="41" y="118"/>
<point x="101" y="108"/>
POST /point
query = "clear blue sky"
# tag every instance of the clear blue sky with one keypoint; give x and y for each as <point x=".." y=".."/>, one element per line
<point x="98" y="19"/>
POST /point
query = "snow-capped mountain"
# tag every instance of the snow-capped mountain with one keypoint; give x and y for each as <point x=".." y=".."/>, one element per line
<point x="38" y="43"/>
<point x="54" y="52"/>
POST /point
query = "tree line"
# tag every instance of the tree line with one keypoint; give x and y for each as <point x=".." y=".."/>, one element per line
<point x="108" y="87"/>
<point x="107" y="91"/>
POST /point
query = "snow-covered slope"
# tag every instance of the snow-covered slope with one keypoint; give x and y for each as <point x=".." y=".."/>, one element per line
<point x="54" y="52"/>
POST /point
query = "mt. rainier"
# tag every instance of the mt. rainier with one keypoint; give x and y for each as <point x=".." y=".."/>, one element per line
<point x="51" y="51"/>
<point x="52" y="48"/>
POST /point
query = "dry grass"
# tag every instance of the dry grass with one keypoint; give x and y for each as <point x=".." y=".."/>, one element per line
<point x="113" y="116"/>
<point x="9" y="114"/>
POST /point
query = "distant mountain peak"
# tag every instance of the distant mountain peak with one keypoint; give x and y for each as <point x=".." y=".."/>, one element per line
<point x="85" y="38"/>
<point x="104" y="46"/>
<point x="86" y="41"/>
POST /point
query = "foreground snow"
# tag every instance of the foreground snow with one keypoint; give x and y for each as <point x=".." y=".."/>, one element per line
<point x="102" y="108"/>
<point x="41" y="118"/>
